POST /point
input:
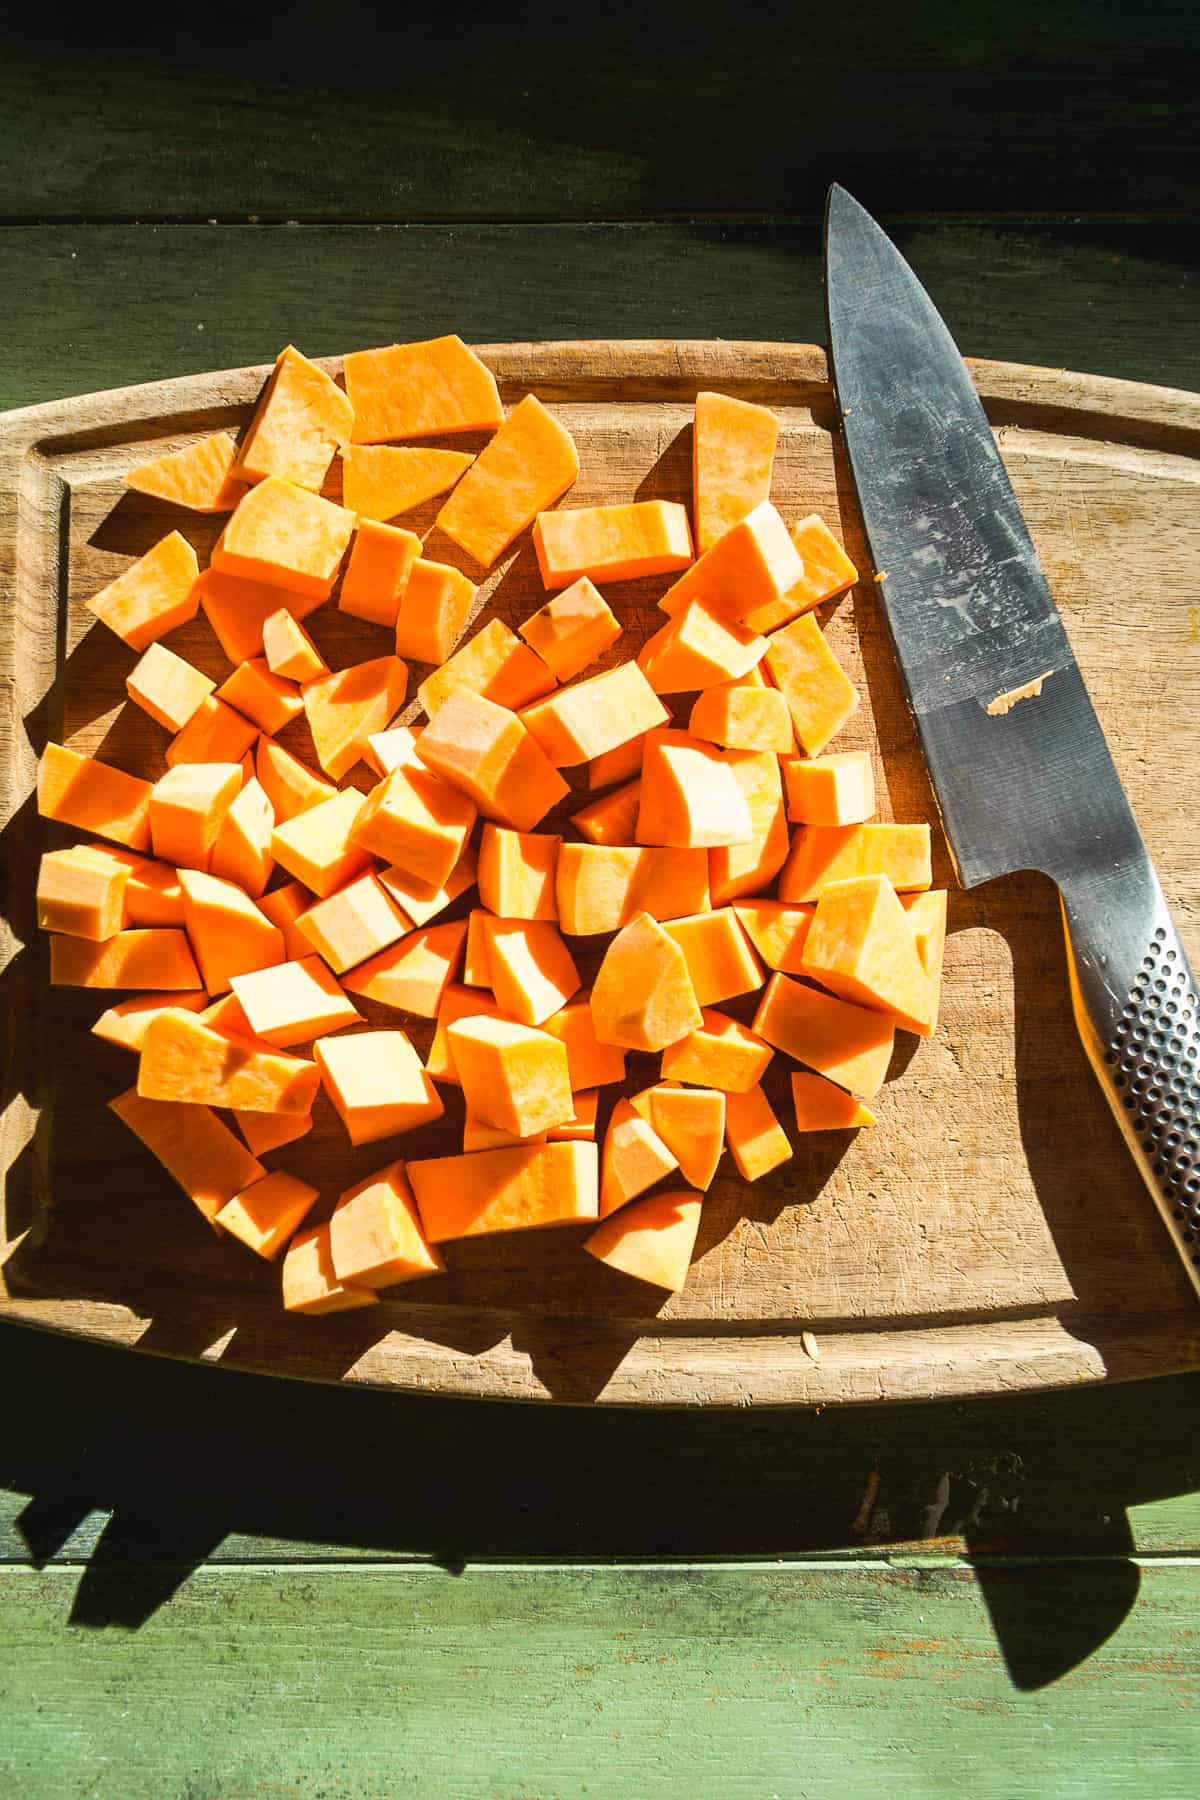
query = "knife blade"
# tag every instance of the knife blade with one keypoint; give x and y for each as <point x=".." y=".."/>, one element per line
<point x="1019" y="764"/>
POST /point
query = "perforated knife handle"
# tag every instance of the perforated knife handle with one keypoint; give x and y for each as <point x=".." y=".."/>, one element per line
<point x="1138" y="1012"/>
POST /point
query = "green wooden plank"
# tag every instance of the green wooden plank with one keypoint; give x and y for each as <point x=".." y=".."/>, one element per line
<point x="131" y="1460"/>
<point x="627" y="110"/>
<point x="98" y="306"/>
<point x="721" y="1682"/>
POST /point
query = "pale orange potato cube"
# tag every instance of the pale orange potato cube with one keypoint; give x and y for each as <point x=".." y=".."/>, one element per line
<point x="376" y="1083"/>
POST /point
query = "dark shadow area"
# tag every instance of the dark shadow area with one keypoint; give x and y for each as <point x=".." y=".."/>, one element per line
<point x="239" y="1466"/>
<point x="139" y="521"/>
<point x="957" y="111"/>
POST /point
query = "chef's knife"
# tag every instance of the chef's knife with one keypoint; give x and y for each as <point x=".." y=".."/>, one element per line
<point x="1019" y="764"/>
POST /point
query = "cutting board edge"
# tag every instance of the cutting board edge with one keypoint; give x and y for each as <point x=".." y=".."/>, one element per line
<point x="848" y="1368"/>
<point x="643" y="359"/>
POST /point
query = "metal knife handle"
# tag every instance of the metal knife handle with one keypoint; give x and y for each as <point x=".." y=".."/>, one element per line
<point x="1138" y="1011"/>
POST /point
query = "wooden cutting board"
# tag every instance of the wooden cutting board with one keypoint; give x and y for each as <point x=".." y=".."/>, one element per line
<point x="988" y="1234"/>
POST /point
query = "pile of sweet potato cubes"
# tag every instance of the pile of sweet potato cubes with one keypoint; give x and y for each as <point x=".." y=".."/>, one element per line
<point x="247" y="901"/>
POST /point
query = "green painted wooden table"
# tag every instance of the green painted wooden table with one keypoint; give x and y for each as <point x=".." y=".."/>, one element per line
<point x="213" y="1584"/>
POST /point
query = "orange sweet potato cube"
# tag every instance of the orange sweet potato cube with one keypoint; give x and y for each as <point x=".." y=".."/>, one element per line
<point x="381" y="560"/>
<point x="486" y="751"/>
<point x="375" y="1235"/>
<point x="376" y="1083"/>
<point x="167" y="687"/>
<point x="309" y="1282"/>
<point x="287" y="536"/>
<point x="153" y="596"/>
<point x="572" y="630"/>
<point x="301" y="420"/>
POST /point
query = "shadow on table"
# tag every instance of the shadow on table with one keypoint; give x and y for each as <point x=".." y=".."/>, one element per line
<point x="190" y="1464"/>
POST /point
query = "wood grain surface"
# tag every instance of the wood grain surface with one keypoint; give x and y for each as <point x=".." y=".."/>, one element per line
<point x="1010" y="1245"/>
<point x="519" y="1684"/>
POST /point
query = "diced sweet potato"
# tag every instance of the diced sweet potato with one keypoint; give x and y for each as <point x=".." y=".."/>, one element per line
<point x="822" y="1106"/>
<point x="381" y="480"/>
<point x="187" y="806"/>
<point x="612" y="543"/>
<point x="533" y="974"/>
<point x="417" y="390"/>
<point x="289" y="651"/>
<point x="302" y="419"/>
<point x="81" y="892"/>
<point x="690" y="796"/>
<point x="612" y="819"/>
<point x="652" y="1240"/>
<point x="381" y="560"/>
<point x="602" y="887"/>
<point x="186" y="1060"/>
<point x="283" y="906"/>
<point x="412" y="974"/>
<point x="376" y="1083"/>
<point x="265" y="698"/>
<point x="825" y="853"/>
<point x="736" y="869"/>
<point x="433" y="610"/>
<point x="861" y="946"/>
<point x="733" y="452"/>
<point x="718" y="1053"/>
<point x="345" y="707"/>
<point x="757" y="1141"/>
<point x="494" y="664"/>
<point x="590" y="1063"/>
<point x="698" y="648"/>
<point x="284" y="535"/>
<point x="198" y="476"/>
<point x="153" y="596"/>
<point x="421" y="901"/>
<point x="512" y="1076"/>
<point x="828" y="571"/>
<point x="777" y="931"/>
<point x="516" y="872"/>
<point x="691" y="1123"/>
<point x="270" y="1131"/>
<point x="415" y="821"/>
<point x="850" y="1044"/>
<point x="477" y="963"/>
<point x="167" y="687"/>
<point x="375" y="1234"/>
<point x="153" y="895"/>
<point x="125" y="1023"/>
<point x="642" y="997"/>
<point x="506" y="1190"/>
<point x="743" y="718"/>
<point x="632" y="1159"/>
<point x="289" y="785"/>
<point x="265" y="1215"/>
<point x="309" y="1282"/>
<point x="830" y="790"/>
<point x="457" y="1003"/>
<point x="819" y="693"/>
<point x="623" y="763"/>
<point x="752" y="564"/>
<point x="572" y="630"/>
<point x="242" y="852"/>
<point x="78" y="790"/>
<point x="356" y="922"/>
<point x="215" y="733"/>
<point x="228" y="933"/>
<point x="238" y="609"/>
<point x="927" y="916"/>
<point x="387" y="749"/>
<point x="582" y="1128"/>
<point x="193" y="1145"/>
<point x="526" y="467"/>
<point x="487" y="752"/>
<point x="293" y="1002"/>
<point x="316" y="845"/>
<point x="581" y="722"/>
<point x="720" y="958"/>
<point x="158" y="957"/>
